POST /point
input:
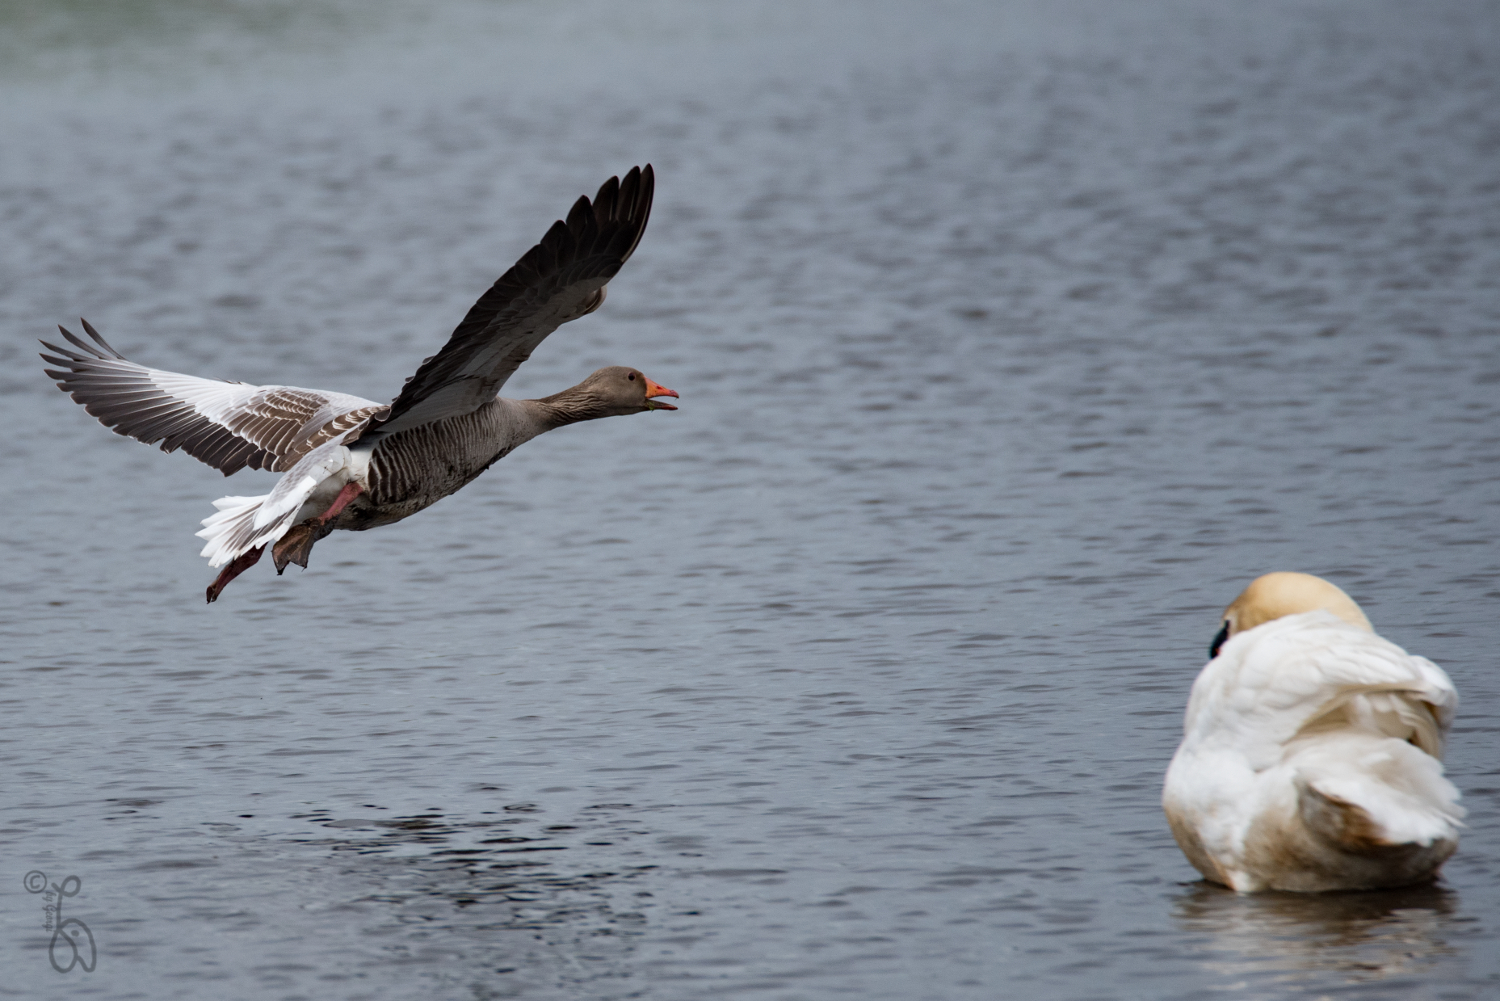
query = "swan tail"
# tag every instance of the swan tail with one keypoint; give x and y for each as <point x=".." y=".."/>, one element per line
<point x="1367" y="797"/>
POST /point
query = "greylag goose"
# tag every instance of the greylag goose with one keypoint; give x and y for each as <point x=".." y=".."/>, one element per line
<point x="1312" y="752"/>
<point x="350" y="463"/>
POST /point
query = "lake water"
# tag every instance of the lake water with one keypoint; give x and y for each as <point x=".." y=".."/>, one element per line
<point x="1012" y="341"/>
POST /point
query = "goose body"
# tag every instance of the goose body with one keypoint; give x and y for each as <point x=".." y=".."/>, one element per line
<point x="351" y="463"/>
<point x="1311" y="758"/>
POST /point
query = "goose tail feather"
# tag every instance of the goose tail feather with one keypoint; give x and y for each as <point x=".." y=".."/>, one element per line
<point x="232" y="531"/>
<point x="244" y="523"/>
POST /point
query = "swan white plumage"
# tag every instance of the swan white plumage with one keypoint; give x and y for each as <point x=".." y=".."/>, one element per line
<point x="1311" y="757"/>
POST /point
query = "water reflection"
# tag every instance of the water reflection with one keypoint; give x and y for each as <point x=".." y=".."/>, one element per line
<point x="1279" y="940"/>
<point x="493" y="903"/>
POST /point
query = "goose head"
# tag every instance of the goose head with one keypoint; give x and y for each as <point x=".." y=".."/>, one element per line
<point x="1279" y="594"/>
<point x="609" y="392"/>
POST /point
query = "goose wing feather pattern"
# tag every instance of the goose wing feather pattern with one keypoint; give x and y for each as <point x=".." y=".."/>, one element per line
<point x="351" y="464"/>
<point x="228" y="425"/>
<point x="559" y="279"/>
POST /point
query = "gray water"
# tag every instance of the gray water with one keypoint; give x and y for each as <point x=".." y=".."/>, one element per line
<point x="1012" y="341"/>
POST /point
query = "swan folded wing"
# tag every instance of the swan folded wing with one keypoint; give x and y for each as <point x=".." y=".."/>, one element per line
<point x="1312" y="673"/>
<point x="560" y="279"/>
<point x="228" y="425"/>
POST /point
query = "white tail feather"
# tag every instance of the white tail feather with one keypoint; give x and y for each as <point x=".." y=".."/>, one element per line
<point x="1399" y="787"/>
<point x="243" y="523"/>
<point x="290" y="494"/>
<point x="233" y="531"/>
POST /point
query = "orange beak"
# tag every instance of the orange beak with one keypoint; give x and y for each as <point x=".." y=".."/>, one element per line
<point x="653" y="390"/>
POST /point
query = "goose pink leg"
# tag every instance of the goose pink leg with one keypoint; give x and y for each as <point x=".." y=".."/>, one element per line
<point x="296" y="545"/>
<point x="293" y="547"/>
<point x="351" y="490"/>
<point x="241" y="563"/>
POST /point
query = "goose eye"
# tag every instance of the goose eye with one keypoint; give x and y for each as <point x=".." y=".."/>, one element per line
<point x="1223" y="635"/>
<point x="631" y="377"/>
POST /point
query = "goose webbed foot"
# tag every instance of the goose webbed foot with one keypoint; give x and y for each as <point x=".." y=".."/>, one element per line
<point x="296" y="545"/>
<point x="237" y="566"/>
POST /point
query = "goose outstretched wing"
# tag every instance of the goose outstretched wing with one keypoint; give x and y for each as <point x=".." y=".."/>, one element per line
<point x="228" y="425"/>
<point x="560" y="279"/>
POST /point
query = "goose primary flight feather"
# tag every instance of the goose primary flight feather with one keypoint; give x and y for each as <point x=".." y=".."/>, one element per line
<point x="1312" y="750"/>
<point x="351" y="463"/>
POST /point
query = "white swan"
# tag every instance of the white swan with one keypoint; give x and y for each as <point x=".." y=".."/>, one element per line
<point x="1312" y="750"/>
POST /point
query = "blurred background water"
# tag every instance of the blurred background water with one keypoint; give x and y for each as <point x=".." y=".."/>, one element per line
<point x="1012" y="339"/>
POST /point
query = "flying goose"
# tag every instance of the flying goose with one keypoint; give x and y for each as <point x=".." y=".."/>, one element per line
<point x="355" y="464"/>
<point x="1312" y="752"/>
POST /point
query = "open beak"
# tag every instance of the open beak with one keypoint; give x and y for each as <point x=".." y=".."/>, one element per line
<point x="653" y="390"/>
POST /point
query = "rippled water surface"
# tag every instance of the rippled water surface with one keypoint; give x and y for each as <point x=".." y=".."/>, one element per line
<point x="1012" y="340"/>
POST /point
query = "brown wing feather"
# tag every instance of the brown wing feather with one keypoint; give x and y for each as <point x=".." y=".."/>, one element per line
<point x="228" y="425"/>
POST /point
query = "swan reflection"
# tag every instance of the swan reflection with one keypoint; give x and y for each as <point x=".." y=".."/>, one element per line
<point x="1268" y="939"/>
